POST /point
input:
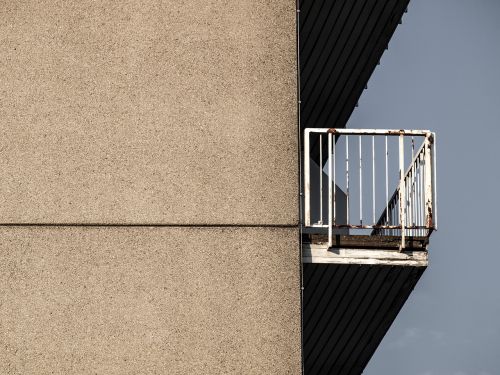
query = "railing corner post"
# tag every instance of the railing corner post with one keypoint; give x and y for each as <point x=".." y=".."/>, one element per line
<point x="331" y="201"/>
<point x="402" y="202"/>
<point x="307" y="177"/>
<point x="428" y="184"/>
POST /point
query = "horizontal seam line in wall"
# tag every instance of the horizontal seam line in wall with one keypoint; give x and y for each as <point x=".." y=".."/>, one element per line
<point x="148" y="225"/>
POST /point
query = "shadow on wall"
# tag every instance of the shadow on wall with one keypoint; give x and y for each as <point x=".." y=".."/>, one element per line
<point x="321" y="216"/>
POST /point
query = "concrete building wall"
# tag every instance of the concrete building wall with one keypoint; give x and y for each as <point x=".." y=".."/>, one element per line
<point x="178" y="112"/>
<point x="93" y="300"/>
<point x="180" y="116"/>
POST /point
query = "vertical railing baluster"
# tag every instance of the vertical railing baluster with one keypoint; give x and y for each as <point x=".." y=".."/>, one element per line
<point x="390" y="220"/>
<point x="409" y="198"/>
<point x="393" y="219"/>
<point x="417" y="164"/>
<point x="409" y="215"/>
<point x="360" y="184"/>
<point x="412" y="200"/>
<point x="389" y="232"/>
<point x="424" y="206"/>
<point x="373" y="180"/>
<point x="320" y="179"/>
<point x="386" y="181"/>
<point x="422" y="211"/>
<point x="393" y="222"/>
<point x="409" y="210"/>
<point x="331" y="203"/>
<point x="347" y="174"/>
<point x="417" y="203"/>
<point x="407" y="203"/>
<point x="334" y="161"/>
<point x="413" y="196"/>
<point x="402" y="198"/>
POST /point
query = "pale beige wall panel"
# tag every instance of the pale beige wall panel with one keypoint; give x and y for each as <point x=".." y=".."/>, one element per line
<point x="148" y="112"/>
<point x="90" y="300"/>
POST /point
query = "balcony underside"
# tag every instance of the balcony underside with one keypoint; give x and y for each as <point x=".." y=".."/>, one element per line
<point x="350" y="301"/>
<point x="352" y="294"/>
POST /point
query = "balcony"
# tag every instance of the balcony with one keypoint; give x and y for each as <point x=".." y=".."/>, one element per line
<point x="369" y="209"/>
<point x="367" y="187"/>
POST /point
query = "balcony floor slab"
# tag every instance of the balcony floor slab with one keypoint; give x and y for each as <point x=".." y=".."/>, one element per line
<point x="320" y="253"/>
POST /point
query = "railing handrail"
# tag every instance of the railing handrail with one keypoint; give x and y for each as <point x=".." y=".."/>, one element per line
<point x="391" y="132"/>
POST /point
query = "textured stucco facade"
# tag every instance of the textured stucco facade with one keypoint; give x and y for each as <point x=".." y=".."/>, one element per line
<point x="149" y="188"/>
<point x="93" y="300"/>
<point x="148" y="112"/>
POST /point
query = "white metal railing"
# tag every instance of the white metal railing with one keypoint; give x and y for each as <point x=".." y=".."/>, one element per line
<point x="337" y="197"/>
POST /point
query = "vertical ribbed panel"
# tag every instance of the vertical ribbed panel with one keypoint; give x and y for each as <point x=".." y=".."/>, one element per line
<point x="341" y="42"/>
<point x="347" y="311"/>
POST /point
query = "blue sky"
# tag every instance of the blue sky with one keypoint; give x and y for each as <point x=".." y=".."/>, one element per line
<point x="442" y="72"/>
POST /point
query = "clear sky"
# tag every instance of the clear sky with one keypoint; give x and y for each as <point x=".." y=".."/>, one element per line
<point x="442" y="72"/>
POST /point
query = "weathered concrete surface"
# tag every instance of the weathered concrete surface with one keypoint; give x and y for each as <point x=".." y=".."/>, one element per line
<point x="148" y="112"/>
<point x="90" y="300"/>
